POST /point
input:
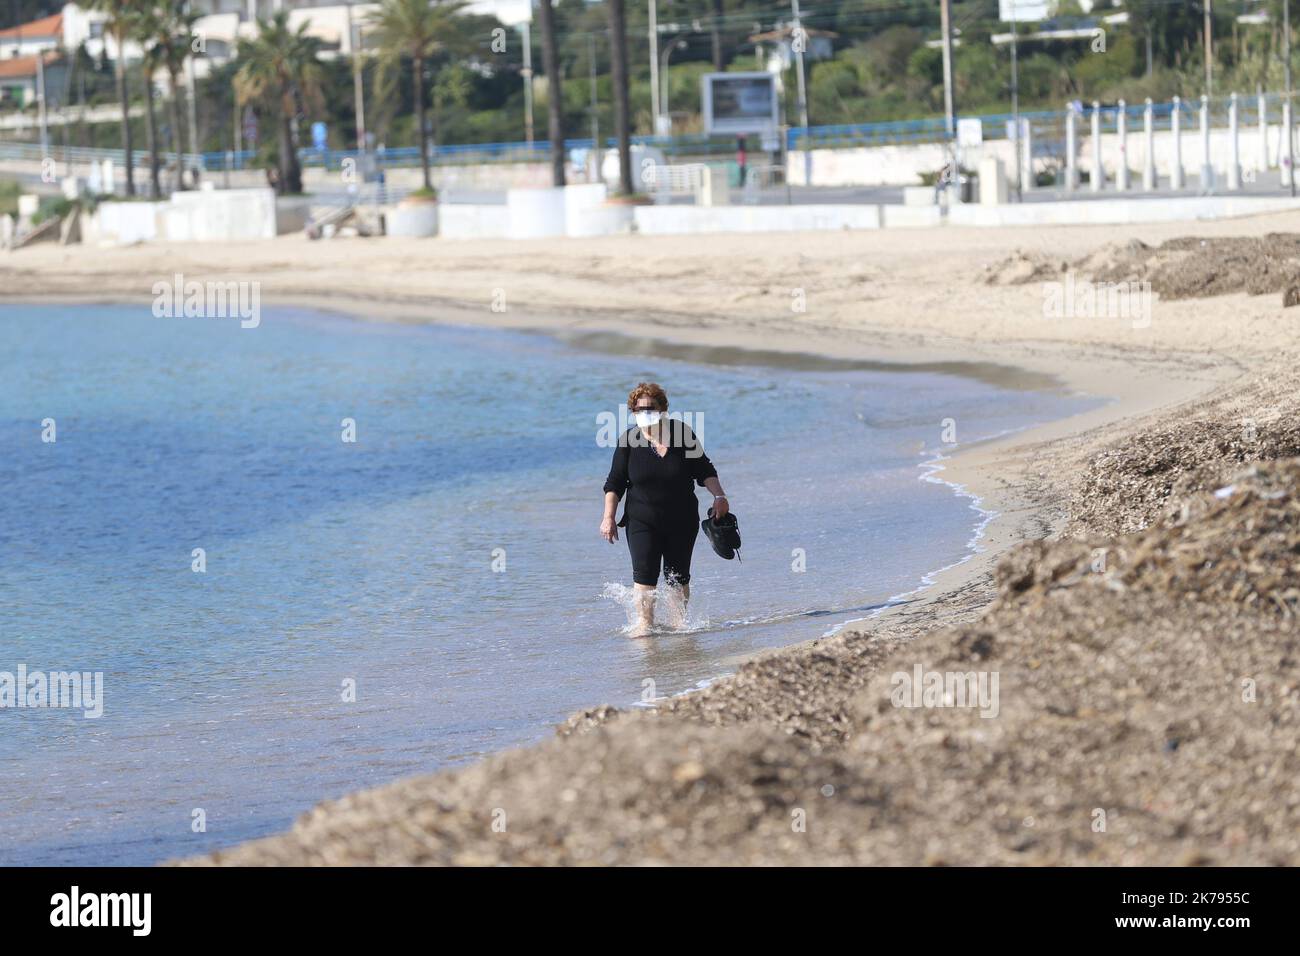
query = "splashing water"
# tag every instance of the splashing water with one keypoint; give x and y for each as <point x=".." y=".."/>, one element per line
<point x="672" y="612"/>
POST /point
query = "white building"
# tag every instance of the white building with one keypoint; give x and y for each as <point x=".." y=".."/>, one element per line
<point x="28" y="39"/>
<point x="220" y="26"/>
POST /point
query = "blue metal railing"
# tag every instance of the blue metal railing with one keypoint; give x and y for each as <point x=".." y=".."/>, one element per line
<point x="462" y="153"/>
<point x="840" y="136"/>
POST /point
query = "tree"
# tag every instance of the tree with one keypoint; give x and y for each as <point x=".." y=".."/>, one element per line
<point x="415" y="30"/>
<point x="618" y="75"/>
<point x="279" y="73"/>
<point x="1169" y="30"/>
<point x="147" y="33"/>
<point x="715" y="36"/>
<point x="173" y="36"/>
<point x="554" y="91"/>
<point x="119" y="23"/>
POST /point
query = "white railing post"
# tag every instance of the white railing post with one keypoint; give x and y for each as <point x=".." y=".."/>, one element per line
<point x="1121" y="174"/>
<point x="1176" y="180"/>
<point x="1284" y="154"/>
<point x="1098" y="172"/>
<point x="1234" y="150"/>
<point x="1027" y="158"/>
<point x="1149" y="167"/>
<point x="1207" y="171"/>
<point x="1261" y="162"/>
<point x="1071" y="147"/>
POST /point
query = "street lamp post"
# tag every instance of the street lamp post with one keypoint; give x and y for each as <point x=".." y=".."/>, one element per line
<point x="654" y="65"/>
<point x="595" y="117"/>
<point x="797" y="42"/>
<point x="677" y="43"/>
<point x="1209" y="47"/>
<point x="950" y="126"/>
<point x="1015" y="101"/>
<point x="358" y="93"/>
<point x="527" y="74"/>
<point x="1286" y="56"/>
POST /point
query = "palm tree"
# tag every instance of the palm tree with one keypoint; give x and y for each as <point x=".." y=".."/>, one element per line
<point x="280" y="73"/>
<point x="415" y="29"/>
<point x="715" y="34"/>
<point x="173" y="33"/>
<point x="119" y="24"/>
<point x="554" y="93"/>
<point x="618" y="74"/>
<point x="146" y="32"/>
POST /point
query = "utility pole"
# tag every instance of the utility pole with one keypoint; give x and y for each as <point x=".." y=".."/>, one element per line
<point x="193" y="116"/>
<point x="945" y="24"/>
<point x="1286" y="55"/>
<point x="1015" y="100"/>
<point x="655" y="105"/>
<point x="1209" y="48"/>
<point x="193" y="120"/>
<point x="358" y="88"/>
<point x="597" y="160"/>
<point x="949" y="121"/>
<point x="527" y="73"/>
<point x="798" y="43"/>
<point x="40" y="102"/>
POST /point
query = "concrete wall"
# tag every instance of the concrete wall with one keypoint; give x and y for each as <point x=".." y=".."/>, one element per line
<point x="1117" y="211"/>
<point x="674" y="220"/>
<point x="583" y="211"/>
<point x="904" y="165"/>
<point x="206" y="215"/>
<point x="536" y="213"/>
<point x="472" y="221"/>
<point x="124" y="222"/>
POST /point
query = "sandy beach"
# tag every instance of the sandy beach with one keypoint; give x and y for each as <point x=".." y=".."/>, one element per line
<point x="1127" y="608"/>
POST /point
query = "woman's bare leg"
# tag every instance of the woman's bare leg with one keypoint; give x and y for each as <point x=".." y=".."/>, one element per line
<point x="645" y="607"/>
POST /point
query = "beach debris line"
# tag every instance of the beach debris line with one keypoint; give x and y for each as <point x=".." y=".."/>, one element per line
<point x="1156" y="474"/>
<point x="1239" y="550"/>
<point x="1190" y="267"/>
<point x="1187" y="267"/>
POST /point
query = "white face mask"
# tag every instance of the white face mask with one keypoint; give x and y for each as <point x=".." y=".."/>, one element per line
<point x="647" y="419"/>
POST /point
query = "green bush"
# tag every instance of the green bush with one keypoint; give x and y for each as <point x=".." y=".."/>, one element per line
<point x="9" y="193"/>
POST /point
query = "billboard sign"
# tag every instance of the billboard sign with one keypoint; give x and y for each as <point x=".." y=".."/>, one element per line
<point x="1025" y="11"/>
<point x="740" y="103"/>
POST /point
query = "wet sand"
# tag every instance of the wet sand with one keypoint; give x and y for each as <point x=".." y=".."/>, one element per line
<point x="801" y="757"/>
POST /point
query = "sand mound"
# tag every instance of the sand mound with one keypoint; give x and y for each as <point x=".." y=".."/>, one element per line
<point x="1022" y="268"/>
<point x="1190" y="267"/>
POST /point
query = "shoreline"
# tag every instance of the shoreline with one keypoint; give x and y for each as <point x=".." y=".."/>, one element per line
<point x="975" y="471"/>
<point x="1196" y="352"/>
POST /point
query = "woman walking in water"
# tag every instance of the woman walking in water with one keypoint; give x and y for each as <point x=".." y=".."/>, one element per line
<point x="657" y="463"/>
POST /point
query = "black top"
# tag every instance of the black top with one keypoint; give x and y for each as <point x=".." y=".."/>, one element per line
<point x="660" y="491"/>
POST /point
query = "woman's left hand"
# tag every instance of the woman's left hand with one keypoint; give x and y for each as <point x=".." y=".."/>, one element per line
<point x="720" y="506"/>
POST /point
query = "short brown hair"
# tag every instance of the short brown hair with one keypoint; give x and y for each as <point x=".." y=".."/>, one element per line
<point x="648" y="390"/>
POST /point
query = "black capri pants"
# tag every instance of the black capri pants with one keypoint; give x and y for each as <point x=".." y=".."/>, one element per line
<point x="668" y="545"/>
